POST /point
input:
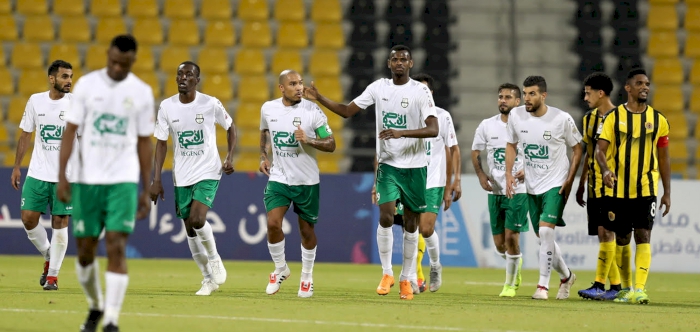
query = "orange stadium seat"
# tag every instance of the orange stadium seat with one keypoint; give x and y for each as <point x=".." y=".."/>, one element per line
<point x="75" y="30"/>
<point x="68" y="8"/>
<point x="692" y="18"/>
<point x="151" y="79"/>
<point x="668" y="99"/>
<point x="107" y="28"/>
<point x="96" y="57"/>
<point x="253" y="89"/>
<point x="286" y="59"/>
<point x="216" y="10"/>
<point x="662" y="18"/>
<point x="329" y="36"/>
<point x="65" y="52"/>
<point x="8" y="88"/>
<point x="292" y="35"/>
<point x="145" y="60"/>
<point x="679" y="125"/>
<point x="27" y="55"/>
<point x="220" y="33"/>
<point x="324" y="63"/>
<point x="5" y="7"/>
<point x="662" y="45"/>
<point x="106" y="8"/>
<point x="214" y="60"/>
<point x="692" y="46"/>
<point x="183" y="33"/>
<point x="250" y="62"/>
<point x="172" y="57"/>
<point x="32" y="81"/>
<point x="329" y="87"/>
<point x="32" y="7"/>
<point x="256" y="34"/>
<point x="289" y="10"/>
<point x="142" y="8"/>
<point x="16" y="109"/>
<point x="219" y="86"/>
<point x="179" y="9"/>
<point x="253" y="10"/>
<point x="8" y="28"/>
<point x="695" y="101"/>
<point x="39" y="29"/>
<point x="148" y="31"/>
<point x="667" y="71"/>
<point x="247" y="117"/>
<point x="329" y="11"/>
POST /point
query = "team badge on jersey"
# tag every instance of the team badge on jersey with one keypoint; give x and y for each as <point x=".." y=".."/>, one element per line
<point x="199" y="118"/>
<point x="297" y="122"/>
<point x="648" y="125"/>
<point x="404" y="102"/>
<point x="547" y="135"/>
<point x="60" y="115"/>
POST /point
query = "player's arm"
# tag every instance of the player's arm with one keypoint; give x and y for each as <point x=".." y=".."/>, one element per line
<point x="161" y="132"/>
<point x="447" y="195"/>
<point x="457" y="172"/>
<point x="374" y="185"/>
<point x="573" y="168"/>
<point x="479" y="169"/>
<point x="344" y="110"/>
<point x="27" y="126"/>
<point x="264" y="147"/>
<point x="63" y="191"/>
<point x="665" y="166"/>
<point x="144" y="148"/>
<point x="605" y="136"/>
<point x="512" y="140"/>
<point x="431" y="129"/>
<point x="231" y="141"/>
<point x="323" y="141"/>
<point x="582" y="182"/>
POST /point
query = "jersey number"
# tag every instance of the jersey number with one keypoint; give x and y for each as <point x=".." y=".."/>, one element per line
<point x="652" y="212"/>
<point x="22" y="202"/>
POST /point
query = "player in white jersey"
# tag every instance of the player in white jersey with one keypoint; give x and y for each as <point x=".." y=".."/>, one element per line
<point x="191" y="117"/>
<point x="508" y="216"/>
<point x="294" y="128"/>
<point x="405" y="117"/>
<point x="543" y="133"/>
<point x="113" y="111"/>
<point x="45" y="113"/>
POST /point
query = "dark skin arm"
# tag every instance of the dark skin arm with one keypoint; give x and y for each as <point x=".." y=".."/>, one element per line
<point x="344" y="110"/>
<point x="323" y="144"/>
<point x="157" y="186"/>
<point x="431" y="129"/>
<point x="231" y="140"/>
<point x="447" y="195"/>
<point x="665" y="171"/>
<point x="264" y="147"/>
<point x="144" y="148"/>
<point x="601" y="150"/>
<point x="483" y="178"/>
<point x="457" y="173"/>
<point x="582" y="183"/>
<point x="22" y="146"/>
<point x="64" y="191"/>
<point x="573" y="168"/>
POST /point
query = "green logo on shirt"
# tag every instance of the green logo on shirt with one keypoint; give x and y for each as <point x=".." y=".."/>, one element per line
<point x="189" y="138"/>
<point x="428" y="146"/>
<point x="51" y="134"/>
<point x="393" y="120"/>
<point x="499" y="155"/>
<point x="108" y="123"/>
<point x="285" y="143"/>
<point x="536" y="152"/>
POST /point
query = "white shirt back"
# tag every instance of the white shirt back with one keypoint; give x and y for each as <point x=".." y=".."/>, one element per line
<point x="435" y="148"/>
<point x="544" y="141"/>
<point x="293" y="163"/>
<point x="193" y="126"/>
<point x="404" y="107"/>
<point x="111" y="116"/>
<point x="492" y="136"/>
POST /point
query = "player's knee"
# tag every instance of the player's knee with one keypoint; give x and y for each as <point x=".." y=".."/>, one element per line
<point x="642" y="236"/>
<point x="29" y="219"/>
<point x="427" y="230"/>
<point x="386" y="219"/>
<point x="197" y="220"/>
<point x="274" y="225"/>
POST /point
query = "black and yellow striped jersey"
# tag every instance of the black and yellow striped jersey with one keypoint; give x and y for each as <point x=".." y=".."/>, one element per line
<point x="592" y="123"/>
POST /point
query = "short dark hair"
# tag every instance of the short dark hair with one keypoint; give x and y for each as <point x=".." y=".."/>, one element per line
<point x="124" y="43"/>
<point x="398" y="48"/>
<point x="196" y="66"/>
<point x="53" y="68"/>
<point x="510" y="86"/>
<point x="422" y="77"/>
<point x="599" y="81"/>
<point x="536" y="80"/>
<point x="636" y="71"/>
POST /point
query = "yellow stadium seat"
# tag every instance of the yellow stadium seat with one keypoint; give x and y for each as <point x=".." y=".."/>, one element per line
<point x="292" y="35"/>
<point x="216" y="10"/>
<point x="668" y="71"/>
<point x="26" y="55"/>
<point x="68" y="8"/>
<point x="679" y="152"/>
<point x="170" y="86"/>
<point x="219" y="86"/>
<point x="329" y="36"/>
<point x="151" y="79"/>
<point x="32" y="7"/>
<point x="249" y="140"/>
<point x="692" y="46"/>
<point x="172" y="57"/>
<point x="77" y="73"/>
<point x="221" y="137"/>
<point x="5" y="140"/>
<point x="16" y="109"/>
<point x="179" y="9"/>
<point x="8" y="88"/>
<point x="692" y="19"/>
<point x="286" y="59"/>
<point x="290" y="10"/>
<point x="697" y="133"/>
<point x="662" y="45"/>
<point x="3" y="62"/>
<point x="220" y="33"/>
<point x="38" y="29"/>
<point x="328" y="163"/>
<point x="32" y="81"/>
<point x="256" y="34"/>
<point x="8" y="28"/>
<point x="329" y="11"/>
<point x="253" y="10"/>
<point x="668" y="2"/>
<point x="329" y="87"/>
<point x="695" y="101"/>
<point x="695" y="73"/>
<point x="5" y="7"/>
<point x="96" y="57"/>
<point x="334" y="120"/>
<point x="145" y="60"/>
<point x="253" y="89"/>
<point x="65" y="52"/>
<point x="142" y="8"/>
<point x="247" y="162"/>
<point x="324" y="63"/>
<point x="75" y="30"/>
<point x="183" y="33"/>
<point x="662" y="18"/>
<point x="107" y="28"/>
<point x="148" y="31"/>
<point x="250" y="62"/>
<point x="248" y="117"/>
<point x="106" y="8"/>
<point x="679" y="126"/>
<point x="668" y="99"/>
<point x="214" y="60"/>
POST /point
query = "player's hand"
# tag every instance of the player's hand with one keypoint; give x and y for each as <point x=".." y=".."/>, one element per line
<point x="63" y="190"/>
<point x="565" y="190"/>
<point x="456" y="191"/>
<point x="374" y="194"/>
<point x="300" y="135"/>
<point x="228" y="166"/>
<point x="609" y="178"/>
<point x="520" y="175"/>
<point x="665" y="203"/>
<point x="390" y="133"/>
<point x="310" y="92"/>
<point x="16" y="175"/>
<point x="157" y="190"/>
<point x="579" y="196"/>
<point x="447" y="198"/>
<point x="144" y="206"/>
<point x="510" y="185"/>
<point x="265" y="167"/>
<point x="485" y="182"/>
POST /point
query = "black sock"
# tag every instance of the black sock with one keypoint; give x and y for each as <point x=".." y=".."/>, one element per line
<point x="598" y="285"/>
<point x="616" y="287"/>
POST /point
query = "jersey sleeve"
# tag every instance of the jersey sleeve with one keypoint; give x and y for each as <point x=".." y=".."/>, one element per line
<point x="607" y="131"/>
<point x="222" y="117"/>
<point x="512" y="136"/>
<point x="162" y="130"/>
<point x="587" y="132"/>
<point x="451" y="139"/>
<point x="28" y="124"/>
<point x="479" y="143"/>
<point x="571" y="133"/>
<point x="76" y="113"/>
<point x="368" y="97"/>
<point x="426" y="104"/>
<point x="263" y="122"/>
<point x="664" y="127"/>
<point x="146" y="116"/>
<point x="321" y="127"/>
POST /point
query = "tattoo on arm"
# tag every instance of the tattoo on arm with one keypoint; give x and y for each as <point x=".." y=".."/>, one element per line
<point x="478" y="163"/>
<point x="264" y="144"/>
<point x="324" y="144"/>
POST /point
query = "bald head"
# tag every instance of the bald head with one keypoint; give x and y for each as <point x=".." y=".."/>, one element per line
<point x="287" y="75"/>
<point x="292" y="86"/>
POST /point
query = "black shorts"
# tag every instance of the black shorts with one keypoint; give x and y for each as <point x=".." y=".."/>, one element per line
<point x="398" y="215"/>
<point x="628" y="214"/>
<point x="597" y="216"/>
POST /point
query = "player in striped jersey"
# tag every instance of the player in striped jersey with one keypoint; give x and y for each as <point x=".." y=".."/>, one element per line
<point x="632" y="151"/>
<point x="597" y="88"/>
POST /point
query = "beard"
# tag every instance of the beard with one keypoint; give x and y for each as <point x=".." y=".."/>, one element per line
<point x="506" y="111"/>
<point x="533" y="108"/>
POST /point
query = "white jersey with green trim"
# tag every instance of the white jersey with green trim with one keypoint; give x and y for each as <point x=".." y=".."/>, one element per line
<point x="293" y="163"/>
<point x="435" y="147"/>
<point x="492" y="136"/>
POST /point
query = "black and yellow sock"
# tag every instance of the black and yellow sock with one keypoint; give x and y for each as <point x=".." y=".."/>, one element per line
<point x="606" y="255"/>
<point x="614" y="274"/>
<point x="623" y="255"/>
<point x="642" y="262"/>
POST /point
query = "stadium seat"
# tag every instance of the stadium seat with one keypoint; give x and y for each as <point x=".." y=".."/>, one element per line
<point x="679" y="153"/>
<point x="142" y="8"/>
<point x="77" y="73"/>
<point x="170" y="86"/>
<point x="696" y="133"/>
<point x="219" y="86"/>
<point x="692" y="46"/>
<point x="256" y="34"/>
<point x="679" y="125"/>
<point x="662" y="18"/>
<point x="5" y="140"/>
<point x="32" y="7"/>
<point x="107" y="28"/>
<point x="664" y="2"/>
<point x="221" y="139"/>
<point x="668" y="99"/>
<point x="691" y="22"/>
<point x="5" y="7"/>
<point x="171" y="58"/>
<point x="148" y="31"/>
<point x="253" y="10"/>
<point x="250" y="62"/>
<point x="8" y="28"/>
<point x="289" y="11"/>
<point x="106" y="8"/>
<point x="75" y="30"/>
<point x="220" y="33"/>
<point x="216" y="10"/>
<point x="3" y="59"/>
<point x="324" y="63"/>
<point x="16" y="109"/>
<point x="248" y="140"/>
<point x="334" y="120"/>
<point x="168" y="163"/>
<point x="183" y="33"/>
<point x="253" y="89"/>
<point x="179" y="9"/>
<point x="8" y="88"/>
<point x="667" y="71"/>
<point x="67" y="8"/>
<point x="65" y="52"/>
<point x="662" y="45"/>
<point x="328" y="163"/>
<point x="214" y="60"/>
<point x="330" y="87"/>
<point x="326" y="11"/>
<point x="329" y="36"/>
<point x="286" y="59"/>
<point x="247" y="161"/>
<point x="32" y="81"/>
<point x="96" y="56"/>
<point x="145" y="60"/>
<point x="695" y="100"/>
<point x="38" y="29"/>
<point x="247" y="117"/>
<point x="292" y="35"/>
<point x="27" y="56"/>
<point x="151" y="78"/>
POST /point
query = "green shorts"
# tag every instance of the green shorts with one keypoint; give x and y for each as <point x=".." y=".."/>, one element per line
<point x="406" y="184"/>
<point x="433" y="198"/>
<point x="510" y="213"/>
<point x="203" y="191"/>
<point x="547" y="207"/>
<point x="37" y="194"/>
<point x="305" y="199"/>
<point x="104" y="206"/>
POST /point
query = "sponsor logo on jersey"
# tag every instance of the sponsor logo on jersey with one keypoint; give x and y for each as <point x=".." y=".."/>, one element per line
<point x="392" y="120"/>
<point x="190" y="138"/>
<point x="285" y="143"/>
<point x="499" y="155"/>
<point x="107" y="123"/>
<point x="51" y="134"/>
<point x="536" y="151"/>
<point x="199" y="118"/>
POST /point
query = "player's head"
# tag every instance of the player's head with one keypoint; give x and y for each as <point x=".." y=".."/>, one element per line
<point x="400" y="60"/>
<point x="187" y="77"/>
<point x="596" y="88"/>
<point x="637" y="85"/>
<point x="425" y="79"/>
<point x="61" y="76"/>
<point x="508" y="97"/>
<point x="121" y="56"/>
<point x="535" y="90"/>
<point x="291" y="85"/>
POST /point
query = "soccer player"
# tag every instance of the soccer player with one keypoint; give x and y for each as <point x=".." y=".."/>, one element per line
<point x="114" y="112"/>
<point x="597" y="88"/>
<point x="45" y="113"/>
<point x="405" y="117"/>
<point x="632" y="151"/>
<point x="191" y="117"/>
<point x="508" y="216"/>
<point x="544" y="132"/>
<point x="294" y="128"/>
